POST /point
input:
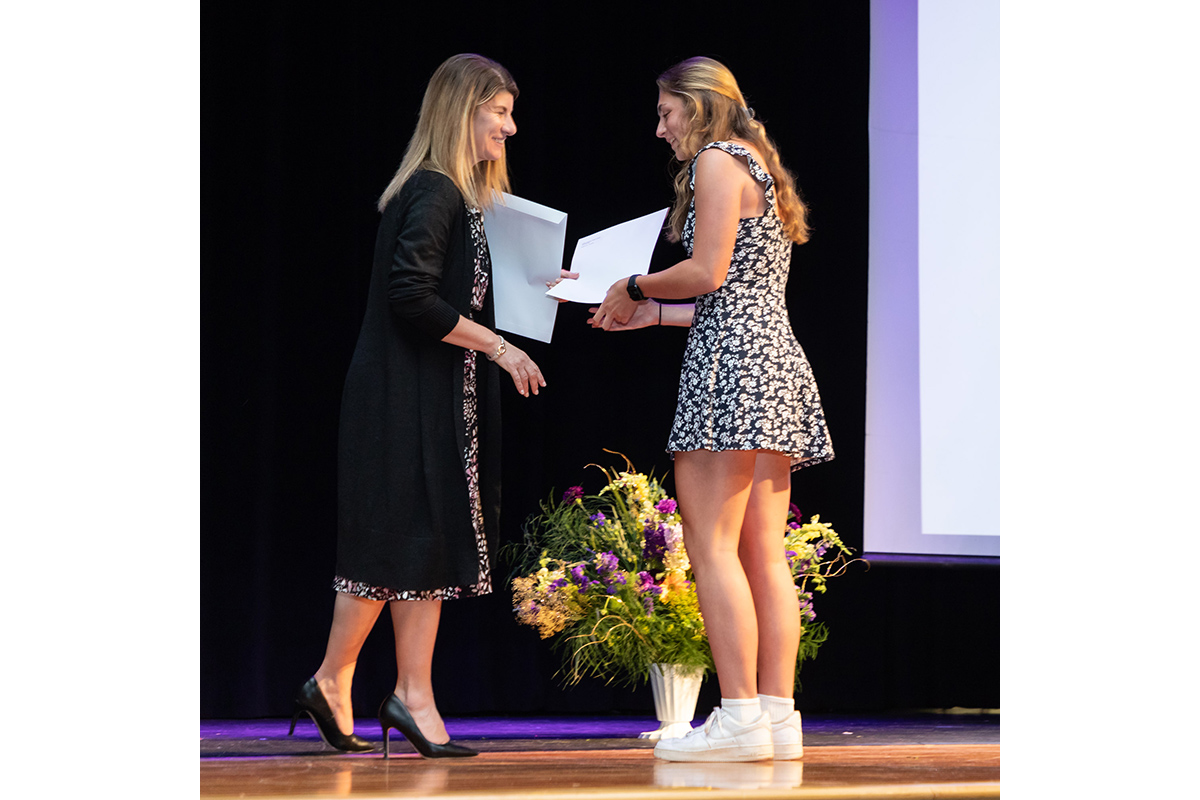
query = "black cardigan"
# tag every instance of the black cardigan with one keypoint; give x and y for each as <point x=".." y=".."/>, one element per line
<point x="404" y="518"/>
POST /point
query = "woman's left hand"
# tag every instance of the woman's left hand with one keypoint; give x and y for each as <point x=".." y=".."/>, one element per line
<point x="525" y="374"/>
<point x="617" y="308"/>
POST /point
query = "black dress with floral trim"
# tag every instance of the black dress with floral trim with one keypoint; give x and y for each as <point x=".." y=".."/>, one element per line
<point x="483" y="585"/>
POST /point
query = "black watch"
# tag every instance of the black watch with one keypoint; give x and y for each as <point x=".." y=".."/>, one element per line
<point x="635" y="294"/>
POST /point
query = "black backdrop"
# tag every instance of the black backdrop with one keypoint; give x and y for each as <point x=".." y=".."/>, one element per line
<point x="306" y="111"/>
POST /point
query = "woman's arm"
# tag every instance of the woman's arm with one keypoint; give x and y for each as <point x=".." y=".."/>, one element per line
<point x="430" y="205"/>
<point x="720" y="181"/>
<point x="515" y="361"/>
<point x="416" y="272"/>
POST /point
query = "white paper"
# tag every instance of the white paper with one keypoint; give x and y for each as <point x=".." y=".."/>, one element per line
<point x="525" y="241"/>
<point x="603" y="258"/>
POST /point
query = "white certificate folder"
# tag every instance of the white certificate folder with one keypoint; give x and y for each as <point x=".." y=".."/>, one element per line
<point x="610" y="255"/>
<point x="525" y="241"/>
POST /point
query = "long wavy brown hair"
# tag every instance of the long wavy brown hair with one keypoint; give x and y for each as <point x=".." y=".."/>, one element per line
<point x="717" y="112"/>
<point x="443" y="140"/>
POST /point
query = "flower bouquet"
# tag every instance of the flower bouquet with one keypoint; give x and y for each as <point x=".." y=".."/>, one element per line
<point x="607" y="576"/>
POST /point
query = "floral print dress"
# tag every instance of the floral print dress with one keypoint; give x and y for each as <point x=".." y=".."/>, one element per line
<point x="746" y="383"/>
<point x="483" y="271"/>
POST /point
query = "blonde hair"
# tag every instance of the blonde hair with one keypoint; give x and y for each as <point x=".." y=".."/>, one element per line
<point x="443" y="140"/>
<point x="717" y="112"/>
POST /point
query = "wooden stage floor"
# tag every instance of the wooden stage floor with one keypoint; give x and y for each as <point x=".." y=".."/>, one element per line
<point x="931" y="756"/>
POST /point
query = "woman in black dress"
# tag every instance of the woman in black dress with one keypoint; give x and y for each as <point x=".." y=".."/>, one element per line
<point x="418" y="461"/>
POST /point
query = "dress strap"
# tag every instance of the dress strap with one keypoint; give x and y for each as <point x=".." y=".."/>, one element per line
<point x="756" y="170"/>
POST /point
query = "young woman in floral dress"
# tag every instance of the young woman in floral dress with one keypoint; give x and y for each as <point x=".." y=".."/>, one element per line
<point x="748" y="411"/>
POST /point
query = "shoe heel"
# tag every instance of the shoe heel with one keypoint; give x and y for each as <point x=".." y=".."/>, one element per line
<point x="310" y="700"/>
<point x="394" y="714"/>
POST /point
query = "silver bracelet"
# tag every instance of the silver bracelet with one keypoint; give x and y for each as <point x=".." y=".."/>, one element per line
<point x="500" y="350"/>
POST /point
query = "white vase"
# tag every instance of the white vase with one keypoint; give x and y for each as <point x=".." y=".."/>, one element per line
<point x="676" y="689"/>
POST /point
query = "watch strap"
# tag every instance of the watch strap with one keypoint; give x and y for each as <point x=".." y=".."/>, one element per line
<point x="635" y="293"/>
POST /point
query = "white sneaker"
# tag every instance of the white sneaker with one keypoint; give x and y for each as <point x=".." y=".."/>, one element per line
<point x="788" y="738"/>
<point x="721" y="738"/>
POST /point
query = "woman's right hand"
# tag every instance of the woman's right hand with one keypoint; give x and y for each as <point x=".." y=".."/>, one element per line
<point x="525" y="374"/>
<point x="563" y="275"/>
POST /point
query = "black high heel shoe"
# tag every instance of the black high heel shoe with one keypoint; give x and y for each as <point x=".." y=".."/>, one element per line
<point x="311" y="701"/>
<point x="393" y="714"/>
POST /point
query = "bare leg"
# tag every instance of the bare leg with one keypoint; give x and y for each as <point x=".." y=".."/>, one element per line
<point x="714" y="489"/>
<point x="353" y="618"/>
<point x="416" y="623"/>
<point x="762" y="557"/>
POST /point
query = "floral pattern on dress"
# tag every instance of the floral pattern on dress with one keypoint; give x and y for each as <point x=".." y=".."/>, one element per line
<point x="746" y="383"/>
<point x="483" y="272"/>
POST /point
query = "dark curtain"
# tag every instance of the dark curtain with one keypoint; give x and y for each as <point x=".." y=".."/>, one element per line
<point x="306" y="111"/>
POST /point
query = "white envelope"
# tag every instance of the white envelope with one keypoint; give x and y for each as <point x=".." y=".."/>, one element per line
<point x="525" y="241"/>
<point x="613" y="253"/>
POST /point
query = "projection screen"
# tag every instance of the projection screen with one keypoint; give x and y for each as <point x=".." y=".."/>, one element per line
<point x="932" y="480"/>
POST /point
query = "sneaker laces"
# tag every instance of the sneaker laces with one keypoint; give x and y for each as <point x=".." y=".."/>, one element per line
<point x="713" y="721"/>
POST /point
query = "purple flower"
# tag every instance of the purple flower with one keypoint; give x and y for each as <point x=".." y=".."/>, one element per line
<point x="648" y="604"/>
<point x="794" y="526"/>
<point x="647" y="586"/>
<point x="581" y="580"/>
<point x="558" y="584"/>
<point x="606" y="564"/>
<point x="806" y="607"/>
<point x="666" y="506"/>
<point x="790" y="554"/>
<point x="597" y="518"/>
<point x="573" y="494"/>
<point x="794" y="510"/>
<point x="656" y="542"/>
